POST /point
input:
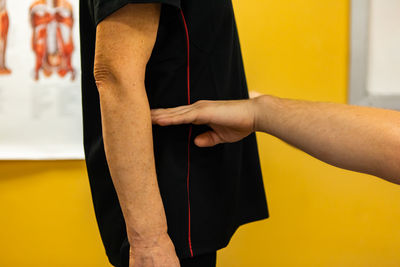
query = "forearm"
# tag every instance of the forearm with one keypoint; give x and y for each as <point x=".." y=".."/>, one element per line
<point x="124" y="42"/>
<point x="128" y="145"/>
<point x="355" y="138"/>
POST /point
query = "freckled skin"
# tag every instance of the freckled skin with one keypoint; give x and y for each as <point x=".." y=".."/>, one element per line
<point x="124" y="42"/>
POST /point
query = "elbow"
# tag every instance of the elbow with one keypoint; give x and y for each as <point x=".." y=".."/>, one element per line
<point x="395" y="176"/>
<point x="395" y="161"/>
<point x="390" y="169"/>
<point x="117" y="81"/>
<point x="104" y="77"/>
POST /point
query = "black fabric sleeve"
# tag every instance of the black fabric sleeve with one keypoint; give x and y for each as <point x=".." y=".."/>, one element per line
<point x="104" y="8"/>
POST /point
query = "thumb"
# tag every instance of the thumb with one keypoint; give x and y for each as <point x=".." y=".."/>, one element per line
<point x="208" y="139"/>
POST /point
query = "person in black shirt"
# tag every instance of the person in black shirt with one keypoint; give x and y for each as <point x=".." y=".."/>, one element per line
<point x="159" y="199"/>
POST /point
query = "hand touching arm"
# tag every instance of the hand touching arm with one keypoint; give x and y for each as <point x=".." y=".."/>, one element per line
<point x="124" y="42"/>
<point x="355" y="138"/>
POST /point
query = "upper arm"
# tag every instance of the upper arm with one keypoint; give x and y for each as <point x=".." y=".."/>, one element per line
<point x="124" y="42"/>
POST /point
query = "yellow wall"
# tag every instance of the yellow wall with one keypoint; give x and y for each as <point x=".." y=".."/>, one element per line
<point x="47" y="218"/>
<point x="320" y="215"/>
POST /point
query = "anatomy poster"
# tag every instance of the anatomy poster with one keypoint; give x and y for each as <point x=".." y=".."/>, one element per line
<point x="40" y="102"/>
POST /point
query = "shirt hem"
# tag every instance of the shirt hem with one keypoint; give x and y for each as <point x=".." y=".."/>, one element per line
<point x="219" y="245"/>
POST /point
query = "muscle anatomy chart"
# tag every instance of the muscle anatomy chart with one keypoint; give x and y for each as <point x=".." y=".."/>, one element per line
<point x="52" y="40"/>
<point x="4" y="24"/>
<point x="40" y="81"/>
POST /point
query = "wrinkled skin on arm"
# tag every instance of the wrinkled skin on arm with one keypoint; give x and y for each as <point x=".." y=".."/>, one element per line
<point x="124" y="42"/>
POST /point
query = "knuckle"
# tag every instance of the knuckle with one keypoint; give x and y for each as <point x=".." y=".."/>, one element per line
<point x="201" y="103"/>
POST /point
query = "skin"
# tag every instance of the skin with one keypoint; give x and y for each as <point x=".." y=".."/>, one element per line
<point x="124" y="42"/>
<point x="361" y="139"/>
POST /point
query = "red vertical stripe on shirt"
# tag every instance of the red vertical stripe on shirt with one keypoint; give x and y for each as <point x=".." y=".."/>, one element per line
<point x="190" y="133"/>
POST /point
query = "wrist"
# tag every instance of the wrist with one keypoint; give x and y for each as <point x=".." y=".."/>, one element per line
<point x="150" y="231"/>
<point x="258" y="106"/>
<point x="264" y="112"/>
<point x="148" y="241"/>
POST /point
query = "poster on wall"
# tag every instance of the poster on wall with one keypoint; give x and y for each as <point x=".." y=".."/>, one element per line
<point x="40" y="101"/>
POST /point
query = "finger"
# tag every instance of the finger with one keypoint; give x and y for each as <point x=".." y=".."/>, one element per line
<point x="168" y="116"/>
<point x="208" y="139"/>
<point x="161" y="111"/>
<point x="171" y="114"/>
<point x="178" y="110"/>
<point x="185" y="118"/>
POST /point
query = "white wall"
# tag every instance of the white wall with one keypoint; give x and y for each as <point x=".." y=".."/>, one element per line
<point x="384" y="48"/>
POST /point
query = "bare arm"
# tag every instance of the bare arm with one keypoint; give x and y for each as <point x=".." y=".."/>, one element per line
<point x="124" y="42"/>
<point x="355" y="138"/>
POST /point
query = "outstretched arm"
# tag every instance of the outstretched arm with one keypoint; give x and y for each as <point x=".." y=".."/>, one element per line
<point x="124" y="42"/>
<point x="356" y="138"/>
